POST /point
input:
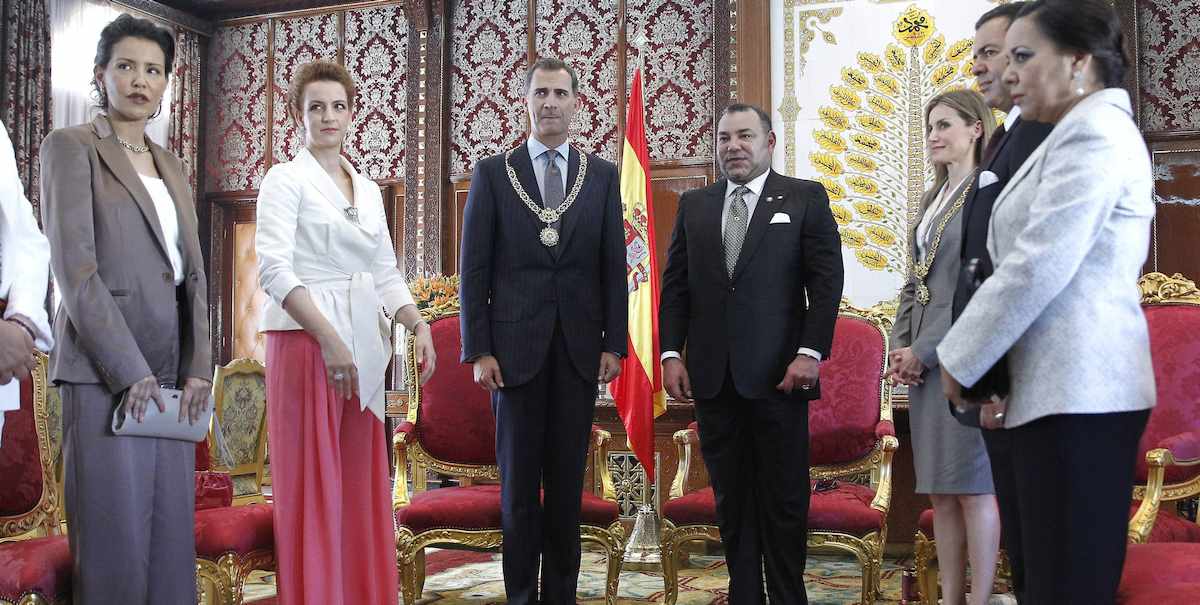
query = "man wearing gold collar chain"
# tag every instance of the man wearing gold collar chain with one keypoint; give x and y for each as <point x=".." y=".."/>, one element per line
<point x="543" y="319"/>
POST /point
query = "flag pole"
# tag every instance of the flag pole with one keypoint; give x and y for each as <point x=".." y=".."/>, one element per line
<point x="643" y="551"/>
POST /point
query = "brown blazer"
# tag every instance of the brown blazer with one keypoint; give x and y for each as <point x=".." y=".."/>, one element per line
<point x="120" y="319"/>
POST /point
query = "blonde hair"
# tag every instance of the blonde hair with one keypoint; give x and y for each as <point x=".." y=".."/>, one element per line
<point x="970" y="106"/>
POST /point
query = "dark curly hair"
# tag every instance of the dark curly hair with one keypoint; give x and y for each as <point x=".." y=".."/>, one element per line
<point x="128" y="26"/>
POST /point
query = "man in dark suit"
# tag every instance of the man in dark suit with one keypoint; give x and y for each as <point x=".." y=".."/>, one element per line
<point x="544" y="317"/>
<point x="752" y="286"/>
<point x="1009" y="147"/>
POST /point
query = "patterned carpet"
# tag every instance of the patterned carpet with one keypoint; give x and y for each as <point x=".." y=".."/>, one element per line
<point x="475" y="578"/>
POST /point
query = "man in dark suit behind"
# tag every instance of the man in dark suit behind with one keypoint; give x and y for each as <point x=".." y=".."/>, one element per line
<point x="1010" y="146"/>
<point x="544" y="316"/>
<point x="752" y="287"/>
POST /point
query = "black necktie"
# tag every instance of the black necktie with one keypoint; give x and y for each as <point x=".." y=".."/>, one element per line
<point x="993" y="144"/>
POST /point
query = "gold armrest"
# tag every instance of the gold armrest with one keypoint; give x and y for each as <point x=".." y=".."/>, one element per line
<point x="600" y="470"/>
<point x="683" y="447"/>
<point x="400" y="495"/>
<point x="883" y="493"/>
<point x="1151" y="495"/>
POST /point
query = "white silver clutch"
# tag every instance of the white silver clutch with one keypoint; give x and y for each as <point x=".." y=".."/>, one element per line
<point x="163" y="425"/>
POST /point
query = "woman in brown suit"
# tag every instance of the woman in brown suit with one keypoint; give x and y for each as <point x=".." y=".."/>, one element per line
<point x="125" y="252"/>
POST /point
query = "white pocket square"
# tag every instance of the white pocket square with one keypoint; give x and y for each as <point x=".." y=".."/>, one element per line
<point x="780" y="217"/>
<point x="987" y="177"/>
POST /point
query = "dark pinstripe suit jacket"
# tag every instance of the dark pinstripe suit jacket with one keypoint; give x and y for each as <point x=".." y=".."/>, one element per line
<point x="513" y="288"/>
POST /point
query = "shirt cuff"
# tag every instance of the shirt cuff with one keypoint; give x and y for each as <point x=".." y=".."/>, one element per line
<point x="811" y="353"/>
<point x="42" y="338"/>
<point x="669" y="355"/>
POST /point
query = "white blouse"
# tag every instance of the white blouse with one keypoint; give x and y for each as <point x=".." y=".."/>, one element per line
<point x="164" y="207"/>
<point x="305" y="238"/>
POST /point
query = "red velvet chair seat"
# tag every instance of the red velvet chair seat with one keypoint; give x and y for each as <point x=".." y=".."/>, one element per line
<point x="236" y="529"/>
<point x="39" y="565"/>
<point x="1160" y="574"/>
<point x="478" y="507"/>
<point x="1170" y="528"/>
<point x="846" y="508"/>
<point x="693" y="508"/>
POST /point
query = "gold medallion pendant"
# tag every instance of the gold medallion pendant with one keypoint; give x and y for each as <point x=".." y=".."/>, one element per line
<point x="548" y="235"/>
<point x="922" y="293"/>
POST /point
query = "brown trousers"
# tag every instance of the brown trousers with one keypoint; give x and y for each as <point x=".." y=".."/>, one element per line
<point x="130" y="505"/>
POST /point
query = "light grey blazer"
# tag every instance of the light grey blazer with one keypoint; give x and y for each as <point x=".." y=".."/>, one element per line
<point x="919" y="326"/>
<point x="1068" y="235"/>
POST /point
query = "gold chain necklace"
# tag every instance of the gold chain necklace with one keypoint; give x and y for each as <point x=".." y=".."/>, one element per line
<point x="132" y="147"/>
<point x="921" y="269"/>
<point x="549" y="234"/>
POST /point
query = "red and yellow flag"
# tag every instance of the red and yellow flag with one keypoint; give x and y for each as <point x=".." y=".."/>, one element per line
<point x="638" y="391"/>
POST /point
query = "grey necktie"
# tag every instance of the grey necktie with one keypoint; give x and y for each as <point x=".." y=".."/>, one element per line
<point x="735" y="227"/>
<point x="552" y="188"/>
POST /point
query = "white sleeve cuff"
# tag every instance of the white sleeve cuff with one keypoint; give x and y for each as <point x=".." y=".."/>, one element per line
<point x="811" y="353"/>
<point x="669" y="355"/>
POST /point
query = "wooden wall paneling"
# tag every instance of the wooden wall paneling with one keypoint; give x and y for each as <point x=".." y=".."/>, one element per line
<point x="668" y="182"/>
<point x="753" y="56"/>
<point x="1177" y="215"/>
<point x="453" y="223"/>
<point x="226" y="212"/>
<point x="434" y="141"/>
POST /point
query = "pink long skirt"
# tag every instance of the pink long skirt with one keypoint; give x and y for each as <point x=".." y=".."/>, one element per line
<point x="334" y="531"/>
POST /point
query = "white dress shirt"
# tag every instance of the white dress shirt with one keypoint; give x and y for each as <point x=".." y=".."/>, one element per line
<point x="24" y="251"/>
<point x="164" y="207"/>
<point x="305" y="239"/>
<point x="755" y="187"/>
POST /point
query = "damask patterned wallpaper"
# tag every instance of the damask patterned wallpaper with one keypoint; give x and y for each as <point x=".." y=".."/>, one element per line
<point x="236" y="108"/>
<point x="584" y="34"/>
<point x="487" y="68"/>
<point x="1169" y="57"/>
<point x="297" y="41"/>
<point x="377" y="53"/>
<point x="489" y="58"/>
<point x="678" y="72"/>
<point x="374" y="49"/>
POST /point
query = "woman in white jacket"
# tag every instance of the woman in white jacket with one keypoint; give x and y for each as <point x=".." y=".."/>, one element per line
<point x="327" y="264"/>
<point x="1069" y="235"/>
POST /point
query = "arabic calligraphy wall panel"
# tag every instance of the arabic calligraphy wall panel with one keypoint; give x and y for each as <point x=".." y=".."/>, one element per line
<point x="849" y="110"/>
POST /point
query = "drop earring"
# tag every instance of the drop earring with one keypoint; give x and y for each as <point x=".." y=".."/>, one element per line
<point x="1077" y="80"/>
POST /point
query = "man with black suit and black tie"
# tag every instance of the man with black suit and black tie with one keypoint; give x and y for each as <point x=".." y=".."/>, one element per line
<point x="1008" y="148"/>
<point x="544" y="317"/>
<point x="752" y="287"/>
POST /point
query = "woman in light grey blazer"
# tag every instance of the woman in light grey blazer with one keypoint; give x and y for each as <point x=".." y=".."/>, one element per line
<point x="951" y="463"/>
<point x="126" y="257"/>
<point x="1068" y="235"/>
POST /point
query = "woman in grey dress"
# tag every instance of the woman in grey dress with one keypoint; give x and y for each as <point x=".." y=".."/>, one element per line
<point x="951" y="463"/>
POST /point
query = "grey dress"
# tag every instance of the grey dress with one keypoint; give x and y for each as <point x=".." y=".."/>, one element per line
<point x="949" y="458"/>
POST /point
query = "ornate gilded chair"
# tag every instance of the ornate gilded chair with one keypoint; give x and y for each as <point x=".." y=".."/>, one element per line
<point x="852" y="440"/>
<point x="450" y="430"/>
<point x="240" y="398"/>
<point x="35" y="559"/>
<point x="234" y="525"/>
<point x="1172" y="307"/>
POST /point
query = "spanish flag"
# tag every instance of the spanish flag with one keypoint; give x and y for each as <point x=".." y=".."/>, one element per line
<point x="638" y="391"/>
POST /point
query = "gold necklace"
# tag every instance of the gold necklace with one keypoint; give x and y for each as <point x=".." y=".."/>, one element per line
<point x="548" y="235"/>
<point x="921" y="269"/>
<point x="132" y="147"/>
